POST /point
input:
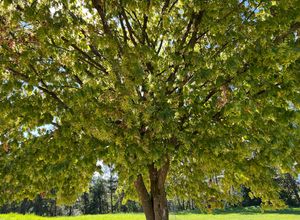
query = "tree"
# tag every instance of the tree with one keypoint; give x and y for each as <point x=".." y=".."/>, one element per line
<point x="85" y="208"/>
<point x="99" y="198"/>
<point x="181" y="90"/>
<point x="289" y="190"/>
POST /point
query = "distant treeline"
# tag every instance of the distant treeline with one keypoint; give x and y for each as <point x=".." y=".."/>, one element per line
<point x="102" y="198"/>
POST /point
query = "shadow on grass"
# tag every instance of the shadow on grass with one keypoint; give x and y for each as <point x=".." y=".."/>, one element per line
<point x="258" y="210"/>
<point x="245" y="211"/>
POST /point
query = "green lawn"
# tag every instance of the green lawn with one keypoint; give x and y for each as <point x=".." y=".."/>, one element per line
<point x="291" y="214"/>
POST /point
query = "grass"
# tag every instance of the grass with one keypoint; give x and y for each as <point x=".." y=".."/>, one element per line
<point x="245" y="214"/>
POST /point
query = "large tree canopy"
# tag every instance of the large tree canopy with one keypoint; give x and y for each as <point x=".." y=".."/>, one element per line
<point x="195" y="97"/>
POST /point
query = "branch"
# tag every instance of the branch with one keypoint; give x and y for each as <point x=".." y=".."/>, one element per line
<point x="145" y="35"/>
<point x="253" y="11"/>
<point x="219" y="20"/>
<point x="52" y="94"/>
<point x="130" y="30"/>
<point x="99" y="5"/>
<point x="184" y="82"/>
<point x="92" y="64"/>
<point x="172" y="6"/>
<point x="96" y="52"/>
<point x="143" y="195"/>
<point x="215" y="89"/>
<point x="163" y="172"/>
<point x="198" y="19"/>
<point x="55" y="124"/>
<point x="78" y="80"/>
<point x="159" y="47"/>
<point x="295" y="26"/>
<point x="17" y="73"/>
<point x="143" y="27"/>
<point x="172" y="75"/>
<point x="89" y="73"/>
<point x="218" y="114"/>
<point x="100" y="67"/>
<point x="163" y="10"/>
<point x="167" y="2"/>
<point x="221" y="49"/>
<point x="188" y="28"/>
<point x="123" y="29"/>
<point x="265" y="90"/>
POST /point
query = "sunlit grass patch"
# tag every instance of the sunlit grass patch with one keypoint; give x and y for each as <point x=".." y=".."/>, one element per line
<point x="245" y="214"/>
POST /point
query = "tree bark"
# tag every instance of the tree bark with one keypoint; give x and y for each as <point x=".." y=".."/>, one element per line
<point x="160" y="203"/>
<point x="155" y="204"/>
<point x="145" y="198"/>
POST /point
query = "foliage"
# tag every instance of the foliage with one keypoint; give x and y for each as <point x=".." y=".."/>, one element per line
<point x="95" y="201"/>
<point x="210" y="88"/>
<point x="247" y="200"/>
<point x="289" y="192"/>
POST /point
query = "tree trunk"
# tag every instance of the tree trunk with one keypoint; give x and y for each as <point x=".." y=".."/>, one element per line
<point x="100" y="206"/>
<point x="145" y="198"/>
<point x="111" y="189"/>
<point x="155" y="204"/>
<point x="70" y="210"/>
<point x="111" y="201"/>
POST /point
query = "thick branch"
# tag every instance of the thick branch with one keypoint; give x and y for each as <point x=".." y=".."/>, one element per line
<point x="158" y="193"/>
<point x="163" y="172"/>
<point x="144" y="197"/>
<point x="99" y="5"/>
<point x="145" y="35"/>
<point x="188" y="28"/>
<point x="194" y="38"/>
<point x="172" y="6"/>
<point x="123" y="29"/>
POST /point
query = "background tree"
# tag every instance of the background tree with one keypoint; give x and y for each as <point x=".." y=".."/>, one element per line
<point x="99" y="196"/>
<point x="96" y="201"/>
<point x="203" y="92"/>
<point x="85" y="203"/>
<point x="248" y="199"/>
<point x="289" y="190"/>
